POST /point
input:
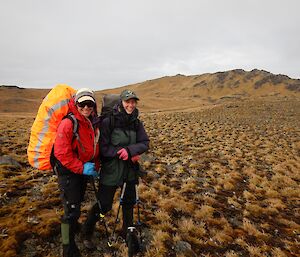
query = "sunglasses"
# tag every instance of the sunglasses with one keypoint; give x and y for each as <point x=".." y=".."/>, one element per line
<point x="86" y="103"/>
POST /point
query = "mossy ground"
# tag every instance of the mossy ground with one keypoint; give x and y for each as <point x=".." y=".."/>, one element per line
<point x="224" y="179"/>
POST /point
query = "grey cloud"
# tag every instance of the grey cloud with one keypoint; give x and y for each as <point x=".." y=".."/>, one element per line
<point x="105" y="44"/>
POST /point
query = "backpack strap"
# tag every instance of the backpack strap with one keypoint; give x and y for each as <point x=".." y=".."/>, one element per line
<point x="72" y="117"/>
<point x="111" y="122"/>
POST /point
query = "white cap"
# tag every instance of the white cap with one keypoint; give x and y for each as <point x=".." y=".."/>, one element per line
<point x="84" y="94"/>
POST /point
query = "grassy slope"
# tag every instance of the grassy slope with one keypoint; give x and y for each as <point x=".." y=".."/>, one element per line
<point x="176" y="92"/>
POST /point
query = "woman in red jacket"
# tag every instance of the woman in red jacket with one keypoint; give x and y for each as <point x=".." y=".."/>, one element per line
<point x="74" y="156"/>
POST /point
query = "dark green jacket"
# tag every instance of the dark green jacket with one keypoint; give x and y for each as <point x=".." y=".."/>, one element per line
<point x="125" y="131"/>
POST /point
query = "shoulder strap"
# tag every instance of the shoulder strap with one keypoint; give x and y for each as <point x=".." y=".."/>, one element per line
<point x="111" y="122"/>
<point x="72" y="117"/>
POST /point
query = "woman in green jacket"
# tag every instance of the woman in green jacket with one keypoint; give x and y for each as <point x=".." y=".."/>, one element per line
<point x="122" y="139"/>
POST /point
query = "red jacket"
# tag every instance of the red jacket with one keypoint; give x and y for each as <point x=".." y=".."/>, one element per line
<point x="70" y="152"/>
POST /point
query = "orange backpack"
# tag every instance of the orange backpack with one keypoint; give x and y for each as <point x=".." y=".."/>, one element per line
<point x="43" y="131"/>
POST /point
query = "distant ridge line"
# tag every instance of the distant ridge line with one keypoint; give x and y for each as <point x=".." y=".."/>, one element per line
<point x="11" y="87"/>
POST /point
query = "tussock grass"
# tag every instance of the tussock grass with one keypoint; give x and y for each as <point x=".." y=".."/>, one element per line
<point x="225" y="180"/>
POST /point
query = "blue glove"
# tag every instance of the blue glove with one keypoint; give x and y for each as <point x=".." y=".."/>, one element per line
<point x="89" y="169"/>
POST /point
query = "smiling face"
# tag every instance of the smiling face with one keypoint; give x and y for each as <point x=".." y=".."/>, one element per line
<point x="85" y="108"/>
<point x="129" y="105"/>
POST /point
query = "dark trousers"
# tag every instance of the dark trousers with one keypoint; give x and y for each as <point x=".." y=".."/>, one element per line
<point x="105" y="195"/>
<point x="72" y="187"/>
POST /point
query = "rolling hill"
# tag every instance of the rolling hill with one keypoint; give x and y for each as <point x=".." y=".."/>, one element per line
<point x="221" y="181"/>
<point x="176" y="92"/>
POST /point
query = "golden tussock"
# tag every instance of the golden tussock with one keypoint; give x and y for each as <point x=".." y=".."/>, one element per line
<point x="241" y="241"/>
<point x="270" y="193"/>
<point x="216" y="224"/>
<point x="255" y="210"/>
<point x="278" y="252"/>
<point x="205" y="212"/>
<point x="176" y="204"/>
<point x="283" y="180"/>
<point x="165" y="226"/>
<point x="189" y="186"/>
<point x="223" y="237"/>
<point x="160" y="169"/>
<point x="162" y="216"/>
<point x="158" y="244"/>
<point x="190" y="227"/>
<point x="186" y="225"/>
<point x="254" y="251"/>
<point x="50" y="189"/>
<point x="160" y="187"/>
<point x="234" y="201"/>
<point x="231" y="254"/>
<point x="150" y="195"/>
<point x="146" y="164"/>
<point x="228" y="185"/>
<point x="290" y="246"/>
<point x="23" y="200"/>
<point x="209" y="200"/>
<point x="251" y="229"/>
<point x="291" y="192"/>
<point x="218" y="188"/>
<point x="289" y="223"/>
<point x="275" y="203"/>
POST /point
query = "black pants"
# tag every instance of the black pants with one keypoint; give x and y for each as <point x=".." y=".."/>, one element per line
<point x="72" y="187"/>
<point x="105" y="195"/>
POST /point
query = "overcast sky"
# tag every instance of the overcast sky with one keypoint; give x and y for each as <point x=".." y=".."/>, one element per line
<point x="105" y="44"/>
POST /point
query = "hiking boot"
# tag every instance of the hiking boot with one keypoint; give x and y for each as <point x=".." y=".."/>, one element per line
<point x="86" y="236"/>
<point x="132" y="241"/>
<point x="71" y="250"/>
<point x="87" y="230"/>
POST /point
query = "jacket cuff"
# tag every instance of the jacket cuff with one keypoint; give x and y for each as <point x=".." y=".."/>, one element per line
<point x="128" y="151"/>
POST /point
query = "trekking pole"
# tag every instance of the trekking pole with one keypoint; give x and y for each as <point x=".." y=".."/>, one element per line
<point x="139" y="173"/>
<point x="119" y="207"/>
<point x="139" y="223"/>
<point x="100" y="214"/>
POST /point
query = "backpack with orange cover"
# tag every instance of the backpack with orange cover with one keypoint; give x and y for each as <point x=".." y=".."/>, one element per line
<point x="53" y="109"/>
